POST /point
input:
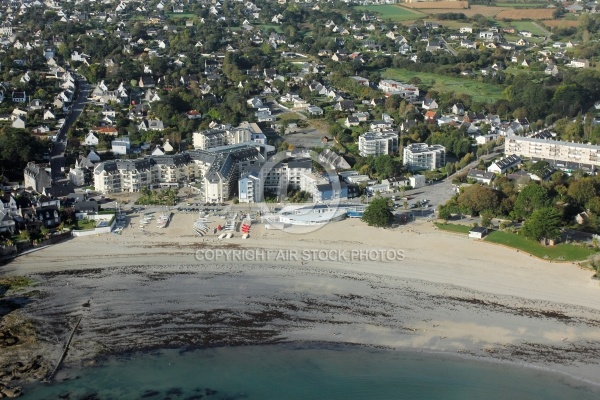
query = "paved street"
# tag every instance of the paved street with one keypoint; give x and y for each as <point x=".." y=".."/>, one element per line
<point x="57" y="161"/>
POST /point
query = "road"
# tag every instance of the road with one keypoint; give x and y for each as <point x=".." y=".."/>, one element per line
<point x="450" y="49"/>
<point x="57" y="160"/>
<point x="282" y="108"/>
<point x="546" y="31"/>
<point x="440" y="192"/>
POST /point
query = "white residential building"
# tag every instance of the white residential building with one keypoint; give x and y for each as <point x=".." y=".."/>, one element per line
<point x="208" y="139"/>
<point x="563" y="155"/>
<point x="121" y="145"/>
<point x="250" y="188"/>
<point x="214" y="171"/>
<point x="421" y="156"/>
<point x="91" y="139"/>
<point x="501" y="166"/>
<point x="378" y="143"/>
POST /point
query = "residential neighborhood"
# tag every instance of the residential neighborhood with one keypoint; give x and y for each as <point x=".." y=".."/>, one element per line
<point x="188" y="176"/>
<point x="254" y="84"/>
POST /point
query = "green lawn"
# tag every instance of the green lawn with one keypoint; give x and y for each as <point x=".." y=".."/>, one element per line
<point x="481" y="92"/>
<point x="455" y="228"/>
<point x="277" y="28"/>
<point x="393" y="12"/>
<point x="85" y="224"/>
<point x="527" y="26"/>
<point x="560" y="252"/>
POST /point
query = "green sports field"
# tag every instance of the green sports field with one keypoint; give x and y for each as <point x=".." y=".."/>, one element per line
<point x="393" y="12"/>
<point x="479" y="91"/>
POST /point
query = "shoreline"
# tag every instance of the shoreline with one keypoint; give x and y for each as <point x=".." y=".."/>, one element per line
<point x="484" y="303"/>
<point x="571" y="378"/>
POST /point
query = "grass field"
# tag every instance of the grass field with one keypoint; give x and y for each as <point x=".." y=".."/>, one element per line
<point x="180" y="15"/>
<point x="393" y="12"/>
<point x="454" y="7"/>
<point x="265" y="27"/>
<point x="560" y="252"/>
<point x="455" y="228"/>
<point x="439" y="4"/>
<point x="527" y="26"/>
<point x="479" y="91"/>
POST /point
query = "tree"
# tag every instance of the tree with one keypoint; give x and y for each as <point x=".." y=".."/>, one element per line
<point x="444" y="213"/>
<point x="531" y="197"/>
<point x="544" y="223"/>
<point x="582" y="190"/>
<point x="476" y="198"/>
<point x="593" y="205"/>
<point x="450" y="169"/>
<point x="486" y="218"/>
<point x="378" y="213"/>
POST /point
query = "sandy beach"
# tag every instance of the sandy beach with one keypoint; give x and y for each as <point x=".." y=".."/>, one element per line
<point x="410" y="288"/>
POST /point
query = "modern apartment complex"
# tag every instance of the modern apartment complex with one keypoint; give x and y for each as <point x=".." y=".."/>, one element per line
<point x="278" y="176"/>
<point x="421" y="156"/>
<point x="215" y="171"/>
<point x="275" y="176"/>
<point x="378" y="143"/>
<point x="226" y="135"/>
<point x="565" y="155"/>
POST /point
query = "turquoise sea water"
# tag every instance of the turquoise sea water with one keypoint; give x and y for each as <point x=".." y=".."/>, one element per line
<point x="303" y="372"/>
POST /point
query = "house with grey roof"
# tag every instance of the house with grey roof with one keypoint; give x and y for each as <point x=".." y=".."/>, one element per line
<point x="503" y="165"/>
<point x="37" y="176"/>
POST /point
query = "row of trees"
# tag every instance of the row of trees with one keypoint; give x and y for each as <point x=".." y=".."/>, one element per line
<point x="553" y="203"/>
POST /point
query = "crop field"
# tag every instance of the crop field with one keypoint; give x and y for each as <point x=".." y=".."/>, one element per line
<point x="561" y="23"/>
<point x="479" y="91"/>
<point x="509" y="12"/>
<point x="521" y="5"/>
<point x="393" y="12"/>
<point x="438" y="4"/>
<point x="526" y="13"/>
<point x="486" y="11"/>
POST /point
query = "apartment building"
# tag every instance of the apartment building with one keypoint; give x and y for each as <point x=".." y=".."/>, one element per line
<point x="421" y="156"/>
<point x="249" y="188"/>
<point x="277" y="176"/>
<point x="226" y="135"/>
<point x="378" y="143"/>
<point x="571" y="155"/>
<point x="215" y="170"/>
